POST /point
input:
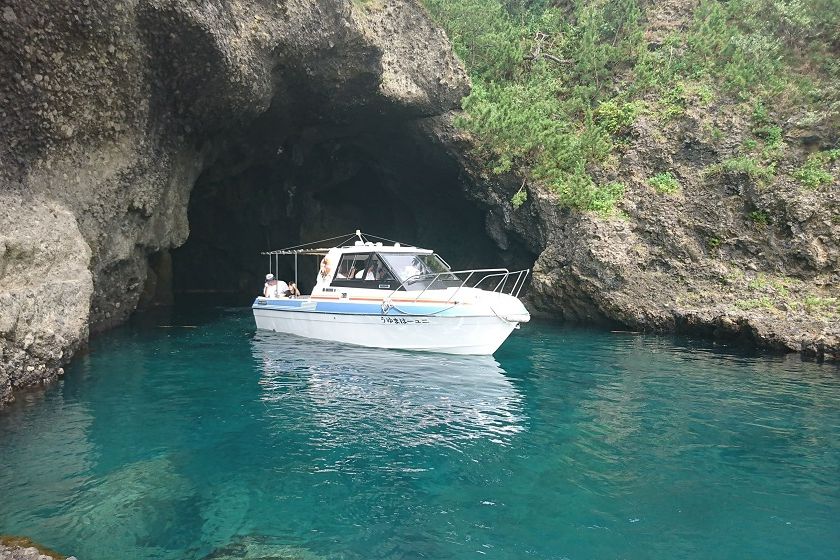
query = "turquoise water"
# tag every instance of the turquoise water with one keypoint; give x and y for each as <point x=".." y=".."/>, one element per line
<point x="209" y="440"/>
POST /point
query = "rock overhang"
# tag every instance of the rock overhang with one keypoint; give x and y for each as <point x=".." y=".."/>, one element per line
<point x="115" y="109"/>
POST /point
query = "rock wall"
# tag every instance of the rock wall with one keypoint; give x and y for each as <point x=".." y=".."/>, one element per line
<point x="725" y="257"/>
<point x="110" y="110"/>
<point x="45" y="289"/>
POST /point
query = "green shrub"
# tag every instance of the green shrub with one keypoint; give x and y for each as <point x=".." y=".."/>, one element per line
<point x="771" y="134"/>
<point x="615" y="116"/>
<point x="673" y="102"/>
<point x="814" y="172"/>
<point x="763" y="302"/>
<point x="537" y="102"/>
<point x="519" y="198"/>
<point x="813" y="177"/>
<point x="578" y="190"/>
<point x="759" y="217"/>
<point x="489" y="41"/>
<point x="705" y="94"/>
<point x="557" y="84"/>
<point x="604" y="198"/>
<point x="664" y="183"/>
<point x="744" y="165"/>
<point x="760" y="116"/>
<point x="815" y="304"/>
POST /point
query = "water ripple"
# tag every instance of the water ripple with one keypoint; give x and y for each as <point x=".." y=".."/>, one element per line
<point x="219" y="442"/>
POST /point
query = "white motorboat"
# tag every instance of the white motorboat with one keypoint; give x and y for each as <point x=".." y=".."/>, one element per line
<point x="386" y="295"/>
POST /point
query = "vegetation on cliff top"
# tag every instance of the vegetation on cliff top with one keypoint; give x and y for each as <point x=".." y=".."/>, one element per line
<point x="558" y="84"/>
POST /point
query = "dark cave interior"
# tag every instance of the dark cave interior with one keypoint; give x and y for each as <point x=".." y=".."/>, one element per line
<point x="264" y="193"/>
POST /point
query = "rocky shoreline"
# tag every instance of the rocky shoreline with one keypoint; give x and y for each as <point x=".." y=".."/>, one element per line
<point x="692" y="262"/>
<point x="22" y="548"/>
<point x="115" y="115"/>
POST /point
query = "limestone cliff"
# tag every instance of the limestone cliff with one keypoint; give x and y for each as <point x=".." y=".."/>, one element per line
<point x="696" y="261"/>
<point x="710" y="174"/>
<point x="110" y="110"/>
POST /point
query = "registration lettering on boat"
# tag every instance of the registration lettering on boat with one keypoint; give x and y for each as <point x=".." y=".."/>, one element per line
<point x="404" y="321"/>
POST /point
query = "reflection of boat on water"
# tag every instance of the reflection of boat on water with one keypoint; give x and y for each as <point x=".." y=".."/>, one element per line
<point x="393" y="296"/>
<point x="371" y="396"/>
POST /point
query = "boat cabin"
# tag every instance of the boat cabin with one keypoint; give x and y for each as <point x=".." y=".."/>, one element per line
<point x="392" y="266"/>
<point x="379" y="267"/>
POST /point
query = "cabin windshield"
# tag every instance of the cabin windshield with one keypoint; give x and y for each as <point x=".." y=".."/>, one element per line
<point x="384" y="271"/>
<point x="407" y="265"/>
<point x="363" y="270"/>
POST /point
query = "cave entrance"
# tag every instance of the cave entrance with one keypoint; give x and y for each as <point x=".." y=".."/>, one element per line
<point x="269" y="194"/>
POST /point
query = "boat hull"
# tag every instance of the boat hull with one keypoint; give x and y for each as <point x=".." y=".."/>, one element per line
<point x="476" y="335"/>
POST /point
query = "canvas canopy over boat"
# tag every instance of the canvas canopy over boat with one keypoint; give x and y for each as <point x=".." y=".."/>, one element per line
<point x="376" y="292"/>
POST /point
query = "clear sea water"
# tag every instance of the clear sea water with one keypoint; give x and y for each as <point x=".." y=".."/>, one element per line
<point x="206" y="439"/>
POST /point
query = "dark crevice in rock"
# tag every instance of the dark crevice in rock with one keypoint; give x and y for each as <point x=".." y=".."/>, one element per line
<point x="157" y="289"/>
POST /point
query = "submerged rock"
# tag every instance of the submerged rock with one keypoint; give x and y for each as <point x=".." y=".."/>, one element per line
<point x="132" y="508"/>
<point x="260" y="548"/>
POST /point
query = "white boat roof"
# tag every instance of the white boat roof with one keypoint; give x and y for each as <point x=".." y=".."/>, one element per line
<point x="386" y="249"/>
<point x="362" y="243"/>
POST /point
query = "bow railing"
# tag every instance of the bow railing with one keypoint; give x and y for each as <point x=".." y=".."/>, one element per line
<point x="495" y="280"/>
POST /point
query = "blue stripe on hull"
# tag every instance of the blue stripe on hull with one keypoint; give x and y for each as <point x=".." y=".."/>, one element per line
<point x="352" y="308"/>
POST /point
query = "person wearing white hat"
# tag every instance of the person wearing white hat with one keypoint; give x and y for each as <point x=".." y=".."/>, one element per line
<point x="274" y="288"/>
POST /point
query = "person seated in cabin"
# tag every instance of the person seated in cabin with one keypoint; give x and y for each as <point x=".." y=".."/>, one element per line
<point x="344" y="272"/>
<point x="293" y="290"/>
<point x="375" y="272"/>
<point x="324" y="272"/>
<point x="274" y="288"/>
<point x="410" y="271"/>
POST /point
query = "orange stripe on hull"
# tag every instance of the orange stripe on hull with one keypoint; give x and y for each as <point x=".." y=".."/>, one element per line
<point x="380" y="300"/>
